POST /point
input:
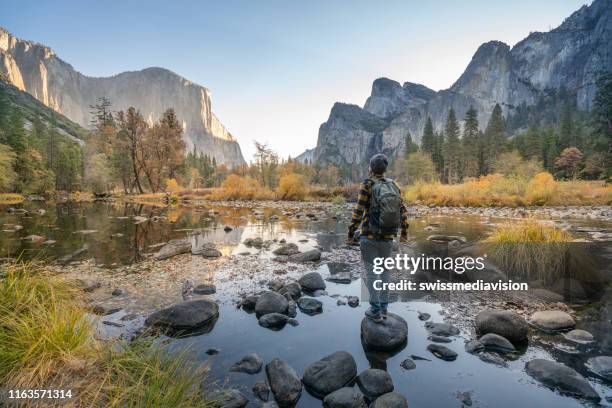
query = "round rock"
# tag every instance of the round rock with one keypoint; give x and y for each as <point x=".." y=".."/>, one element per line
<point x="250" y="364"/>
<point x="273" y="320"/>
<point x="345" y="398"/>
<point x="552" y="320"/>
<point x="601" y="365"/>
<point x="442" y="352"/>
<point x="229" y="399"/>
<point x="330" y="373"/>
<point x="271" y="302"/>
<point x="310" y="306"/>
<point x="389" y="334"/>
<point x="441" y="329"/>
<point x="390" y="400"/>
<point x="312" y="281"/>
<point x="189" y="315"/>
<point x="284" y="382"/>
<point x="374" y="382"/>
<point x="579" y="336"/>
<point x="562" y="378"/>
<point x="506" y="323"/>
<point x="495" y="342"/>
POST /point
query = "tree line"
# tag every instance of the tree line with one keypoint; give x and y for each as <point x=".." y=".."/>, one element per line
<point x="569" y="144"/>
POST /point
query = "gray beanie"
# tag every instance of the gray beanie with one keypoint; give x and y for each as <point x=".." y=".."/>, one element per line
<point x="379" y="163"/>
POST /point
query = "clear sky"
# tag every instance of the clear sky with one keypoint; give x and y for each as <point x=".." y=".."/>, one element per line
<point x="275" y="67"/>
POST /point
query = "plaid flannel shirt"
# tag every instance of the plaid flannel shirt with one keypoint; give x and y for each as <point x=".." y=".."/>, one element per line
<point x="360" y="212"/>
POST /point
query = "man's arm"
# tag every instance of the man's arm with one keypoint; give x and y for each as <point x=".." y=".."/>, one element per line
<point x="363" y="200"/>
<point x="404" y="218"/>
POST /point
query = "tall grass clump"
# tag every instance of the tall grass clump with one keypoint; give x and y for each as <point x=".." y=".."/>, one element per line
<point x="529" y="250"/>
<point x="143" y="374"/>
<point x="235" y="187"/>
<point x="47" y="342"/>
<point x="42" y="326"/>
<point x="292" y="187"/>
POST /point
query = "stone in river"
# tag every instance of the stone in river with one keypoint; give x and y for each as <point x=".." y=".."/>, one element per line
<point x="286" y="249"/>
<point x="271" y="302"/>
<point x="579" y="336"/>
<point x="310" y="306"/>
<point x="552" y="320"/>
<point x="172" y="248"/>
<point x="408" y="364"/>
<point x="273" y="320"/>
<point x="423" y="316"/>
<point x="228" y="399"/>
<point x="187" y="316"/>
<point x="312" y="281"/>
<point x="250" y="364"/>
<point x="442" y="352"/>
<point x="353" y="301"/>
<point x="346" y="397"/>
<point x="204" y="289"/>
<point x="34" y="238"/>
<point x="438" y="339"/>
<point x="441" y="329"/>
<point x="561" y="378"/>
<point x="389" y="334"/>
<point x="495" y="342"/>
<point x="103" y="310"/>
<point x="601" y="365"/>
<point x="291" y="290"/>
<point x="284" y="383"/>
<point x="309" y="256"/>
<point x="374" y="383"/>
<point x="474" y="347"/>
<point x="330" y="373"/>
<point x="390" y="400"/>
<point x="492" y="358"/>
<point x="248" y="303"/>
<point x="261" y="390"/>
<point x="506" y="323"/>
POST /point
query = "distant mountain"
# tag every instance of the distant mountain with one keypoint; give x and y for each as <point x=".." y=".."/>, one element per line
<point x="306" y="156"/>
<point x="32" y="108"/>
<point x="571" y="56"/>
<point x="36" y="69"/>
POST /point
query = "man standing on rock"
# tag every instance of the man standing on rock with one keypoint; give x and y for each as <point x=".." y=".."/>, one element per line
<point x="381" y="214"/>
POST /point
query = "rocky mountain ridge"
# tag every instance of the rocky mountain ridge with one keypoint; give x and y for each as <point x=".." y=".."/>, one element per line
<point x="35" y="69"/>
<point x="572" y="55"/>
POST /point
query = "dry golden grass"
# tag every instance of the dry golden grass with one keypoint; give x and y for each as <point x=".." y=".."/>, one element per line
<point x="11" y="198"/>
<point x="529" y="250"/>
<point x="496" y="190"/>
<point x="47" y="342"/>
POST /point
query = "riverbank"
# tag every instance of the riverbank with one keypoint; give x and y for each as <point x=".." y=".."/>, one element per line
<point x="48" y="341"/>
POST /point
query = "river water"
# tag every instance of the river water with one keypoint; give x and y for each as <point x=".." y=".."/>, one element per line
<point x="110" y="238"/>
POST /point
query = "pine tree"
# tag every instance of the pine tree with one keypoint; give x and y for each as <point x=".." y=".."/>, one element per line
<point x="410" y="146"/>
<point x="5" y="113"/>
<point x="567" y="136"/>
<point x="451" y="149"/>
<point x="428" y="141"/>
<point x="534" y="145"/>
<point x="17" y="137"/>
<point x="470" y="162"/>
<point x="495" y="138"/>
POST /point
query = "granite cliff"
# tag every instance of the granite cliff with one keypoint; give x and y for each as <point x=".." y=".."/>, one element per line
<point x="35" y="69"/>
<point x="572" y="55"/>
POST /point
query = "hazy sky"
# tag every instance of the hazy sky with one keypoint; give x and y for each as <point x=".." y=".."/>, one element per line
<point x="275" y="68"/>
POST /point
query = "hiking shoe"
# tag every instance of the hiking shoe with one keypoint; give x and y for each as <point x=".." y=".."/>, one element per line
<point x="384" y="313"/>
<point x="374" y="316"/>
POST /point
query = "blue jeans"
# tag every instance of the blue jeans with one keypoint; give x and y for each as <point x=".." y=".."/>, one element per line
<point x="370" y="249"/>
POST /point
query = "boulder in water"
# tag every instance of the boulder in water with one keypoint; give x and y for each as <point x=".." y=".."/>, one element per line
<point x="389" y="334"/>
<point x="601" y="365"/>
<point x="284" y="382"/>
<point x="250" y="364"/>
<point x="441" y="329"/>
<point x="390" y="400"/>
<point x="495" y="342"/>
<point x="346" y="397"/>
<point x="506" y="323"/>
<point x="271" y="302"/>
<point x="312" y="281"/>
<point x="552" y="320"/>
<point x="561" y="378"/>
<point x="313" y="255"/>
<point x="187" y="316"/>
<point x="172" y="248"/>
<point x="273" y="320"/>
<point x="310" y="306"/>
<point x="330" y="373"/>
<point x="374" y="383"/>
<point x="442" y="352"/>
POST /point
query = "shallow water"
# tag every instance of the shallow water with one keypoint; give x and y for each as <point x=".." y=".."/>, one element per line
<point x="113" y="237"/>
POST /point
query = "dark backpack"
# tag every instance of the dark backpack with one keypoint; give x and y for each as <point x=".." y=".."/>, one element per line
<point x="385" y="207"/>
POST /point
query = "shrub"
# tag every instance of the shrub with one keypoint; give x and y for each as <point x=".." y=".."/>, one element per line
<point x="235" y="187"/>
<point x="292" y="186"/>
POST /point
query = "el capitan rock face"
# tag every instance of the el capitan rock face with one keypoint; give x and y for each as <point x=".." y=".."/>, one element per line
<point x="572" y="55"/>
<point x="36" y="69"/>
